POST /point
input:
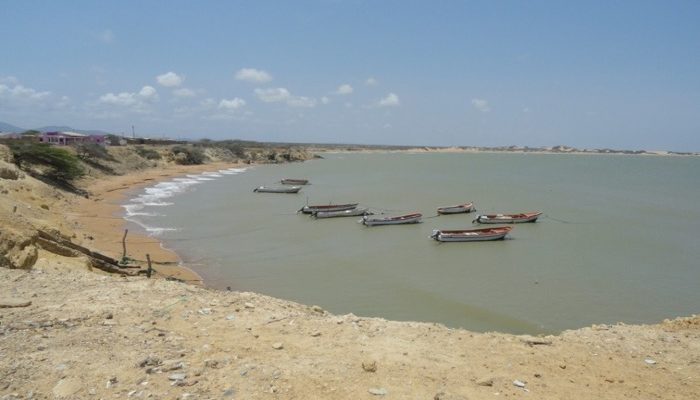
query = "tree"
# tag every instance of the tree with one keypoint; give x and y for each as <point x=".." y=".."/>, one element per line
<point x="57" y="163"/>
<point x="93" y="151"/>
<point x="185" y="155"/>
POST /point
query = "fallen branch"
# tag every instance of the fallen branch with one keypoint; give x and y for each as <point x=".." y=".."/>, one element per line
<point x="97" y="260"/>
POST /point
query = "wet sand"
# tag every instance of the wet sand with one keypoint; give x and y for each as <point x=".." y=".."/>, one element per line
<point x="98" y="220"/>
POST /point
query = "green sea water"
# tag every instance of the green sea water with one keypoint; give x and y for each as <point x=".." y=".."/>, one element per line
<point x="618" y="241"/>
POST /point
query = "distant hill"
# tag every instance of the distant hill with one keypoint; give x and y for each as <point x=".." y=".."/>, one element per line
<point x="5" y="127"/>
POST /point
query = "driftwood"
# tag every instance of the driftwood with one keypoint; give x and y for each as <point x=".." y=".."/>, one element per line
<point x="97" y="260"/>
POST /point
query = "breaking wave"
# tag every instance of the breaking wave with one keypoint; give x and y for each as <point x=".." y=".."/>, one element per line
<point x="139" y="209"/>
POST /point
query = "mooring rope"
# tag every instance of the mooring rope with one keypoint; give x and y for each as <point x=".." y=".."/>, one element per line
<point x="561" y="220"/>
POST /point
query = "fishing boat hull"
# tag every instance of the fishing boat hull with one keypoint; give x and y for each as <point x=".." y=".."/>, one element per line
<point x="397" y="220"/>
<point x="458" y="209"/>
<point x="328" y="208"/>
<point x="345" y="213"/>
<point x="266" y="189"/>
<point x="471" y="235"/>
<point x="508" y="218"/>
<point x="294" y="182"/>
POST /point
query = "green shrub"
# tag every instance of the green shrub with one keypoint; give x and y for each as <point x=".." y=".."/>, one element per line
<point x="148" y="154"/>
<point x="185" y="155"/>
<point x="234" y="146"/>
<point x="59" y="163"/>
<point x="93" y="151"/>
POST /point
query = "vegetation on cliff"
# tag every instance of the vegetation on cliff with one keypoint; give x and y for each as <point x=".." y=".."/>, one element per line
<point x="46" y="160"/>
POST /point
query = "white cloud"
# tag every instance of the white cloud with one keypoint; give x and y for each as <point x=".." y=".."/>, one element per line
<point x="300" y="101"/>
<point x="138" y="101"/>
<point x="325" y="100"/>
<point x="526" y="110"/>
<point x="253" y="75"/>
<point x="170" y="79"/>
<point x="282" y="95"/>
<point x="344" y="89"/>
<point x="148" y="93"/>
<point x="233" y="104"/>
<point x="391" y="100"/>
<point x="481" y="105"/>
<point x="16" y="98"/>
<point x="106" y="36"/>
<point x="18" y="92"/>
<point x="371" y="81"/>
<point x="184" y="92"/>
<point x="9" y="80"/>
<point x="273" y="95"/>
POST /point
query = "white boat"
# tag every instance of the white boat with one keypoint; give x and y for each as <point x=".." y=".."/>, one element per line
<point x="471" y="235"/>
<point x="344" y="213"/>
<point x="412" y="218"/>
<point x="271" y="189"/>
<point x="530" y="216"/>
<point x="461" y="208"/>
<point x="307" y="209"/>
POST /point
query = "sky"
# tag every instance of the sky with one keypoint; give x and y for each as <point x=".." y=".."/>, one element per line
<point x="591" y="74"/>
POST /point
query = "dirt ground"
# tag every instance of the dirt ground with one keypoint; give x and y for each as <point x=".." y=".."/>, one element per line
<point x="88" y="336"/>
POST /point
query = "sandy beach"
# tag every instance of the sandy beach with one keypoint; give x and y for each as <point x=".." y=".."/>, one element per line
<point x="98" y="219"/>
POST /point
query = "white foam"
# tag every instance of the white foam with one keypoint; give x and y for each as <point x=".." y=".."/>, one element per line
<point x="135" y="209"/>
<point x="157" y="204"/>
<point x="158" y="194"/>
<point x="232" y="171"/>
<point x="151" y="230"/>
<point x="155" y="231"/>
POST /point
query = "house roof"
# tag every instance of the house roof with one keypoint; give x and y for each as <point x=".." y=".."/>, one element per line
<point x="71" y="134"/>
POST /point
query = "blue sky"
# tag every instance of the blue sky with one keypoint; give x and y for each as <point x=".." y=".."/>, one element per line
<point x="620" y="74"/>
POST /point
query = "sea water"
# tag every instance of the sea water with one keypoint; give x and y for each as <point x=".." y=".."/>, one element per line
<point x="617" y="242"/>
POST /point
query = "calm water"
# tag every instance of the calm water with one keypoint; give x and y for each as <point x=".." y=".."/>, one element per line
<point x="619" y="242"/>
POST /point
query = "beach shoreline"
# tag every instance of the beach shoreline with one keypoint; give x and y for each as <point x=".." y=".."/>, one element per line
<point x="99" y="219"/>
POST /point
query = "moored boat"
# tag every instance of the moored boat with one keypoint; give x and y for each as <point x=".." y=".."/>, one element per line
<point x="310" y="209"/>
<point x="460" y="208"/>
<point x="530" y="216"/>
<point x="344" y="213"/>
<point x="470" y="235"/>
<point x="412" y="218"/>
<point x="271" y="189"/>
<point x="288" y="181"/>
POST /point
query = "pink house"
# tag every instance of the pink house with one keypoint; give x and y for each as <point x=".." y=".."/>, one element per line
<point x="67" y="138"/>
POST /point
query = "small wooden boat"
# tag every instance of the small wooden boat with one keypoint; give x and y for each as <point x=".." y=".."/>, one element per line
<point x="530" y="216"/>
<point x="413" y="218"/>
<point x="327" y="207"/>
<point x="471" y="235"/>
<point x="297" y="182"/>
<point x="271" y="189"/>
<point x="460" y="208"/>
<point x="345" y="213"/>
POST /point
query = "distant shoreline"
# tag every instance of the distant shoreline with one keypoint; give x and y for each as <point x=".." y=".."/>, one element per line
<point x="490" y="150"/>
